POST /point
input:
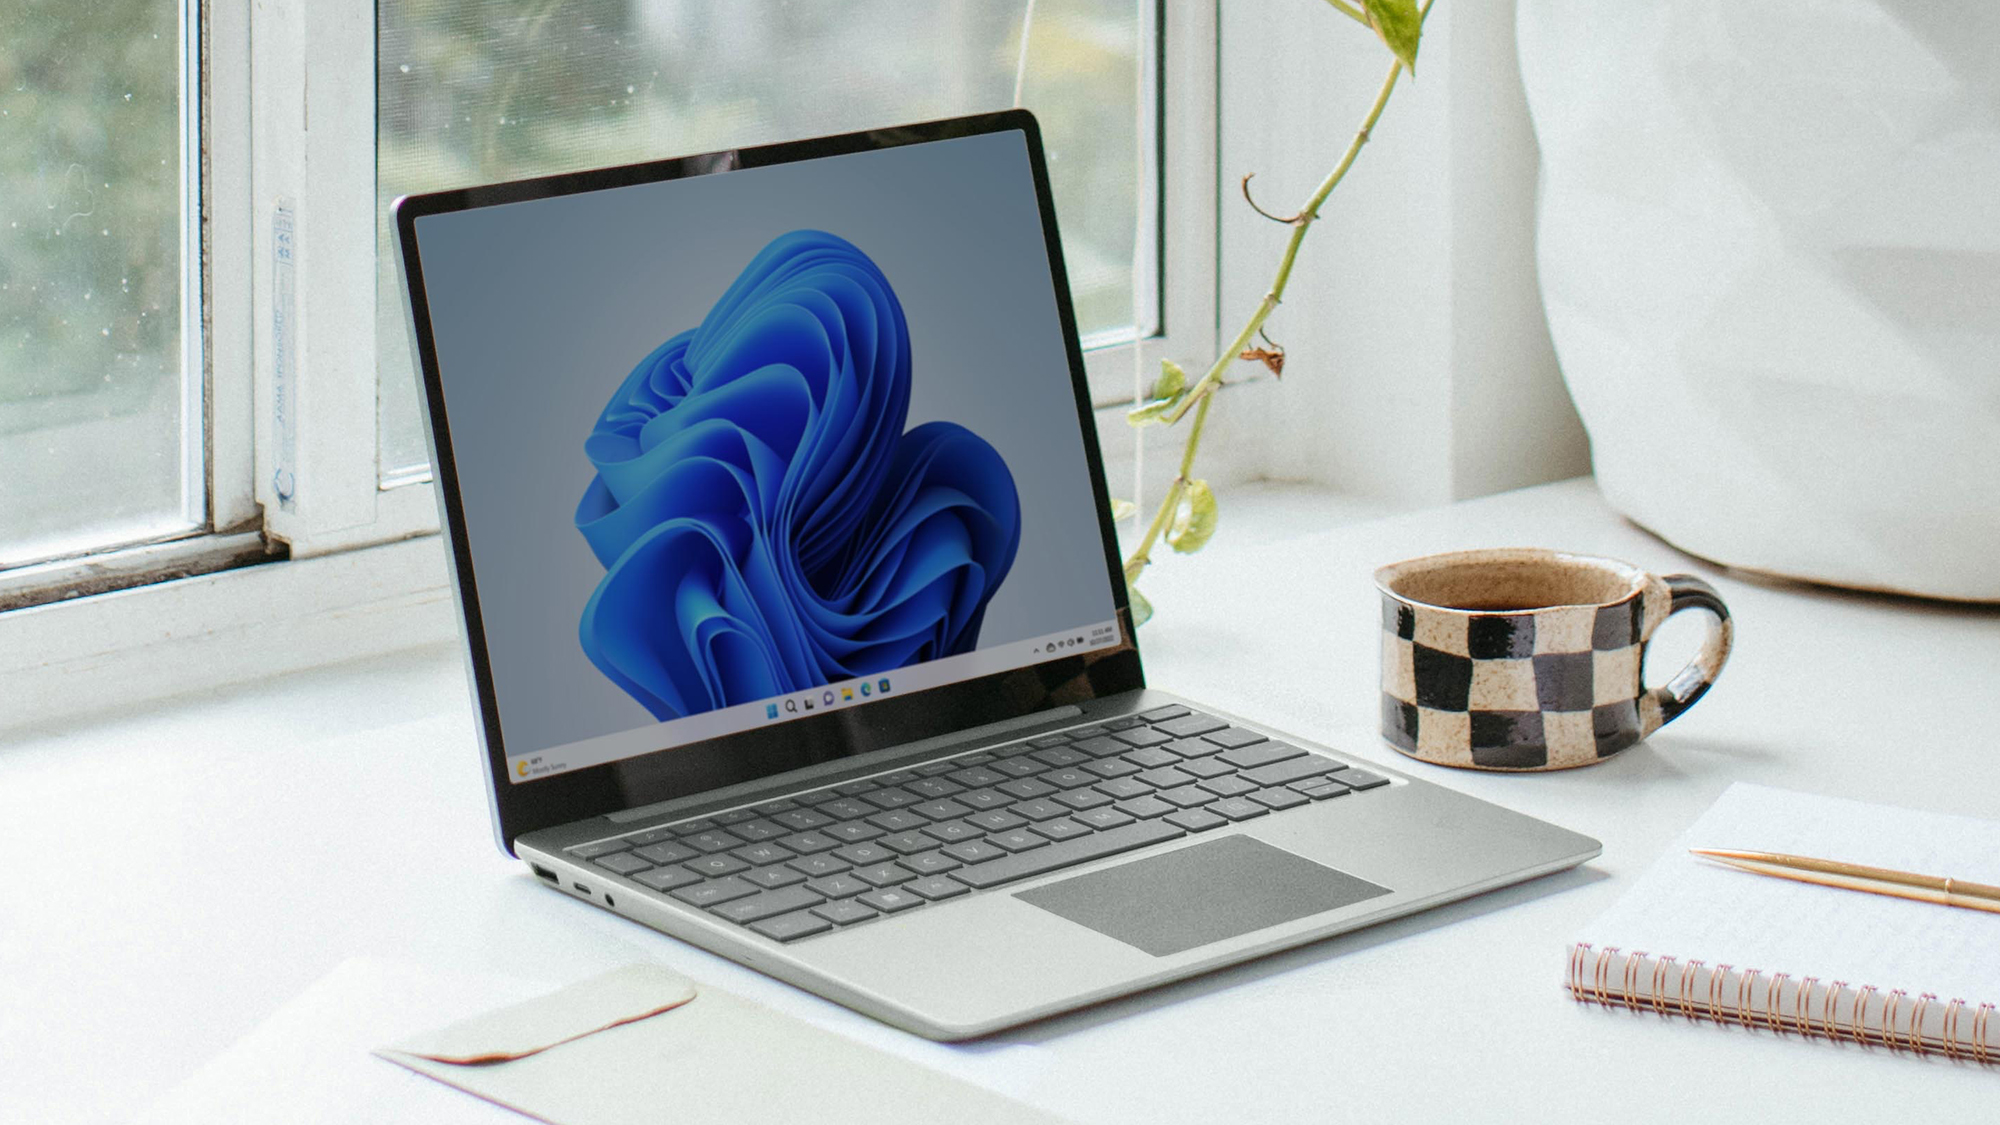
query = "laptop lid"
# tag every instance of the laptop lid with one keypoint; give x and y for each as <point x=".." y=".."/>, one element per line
<point x="759" y="459"/>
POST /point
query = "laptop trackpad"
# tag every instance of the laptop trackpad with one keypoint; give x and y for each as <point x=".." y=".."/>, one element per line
<point x="1197" y="895"/>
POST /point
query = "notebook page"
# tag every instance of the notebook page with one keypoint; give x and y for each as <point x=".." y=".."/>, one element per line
<point x="1687" y="907"/>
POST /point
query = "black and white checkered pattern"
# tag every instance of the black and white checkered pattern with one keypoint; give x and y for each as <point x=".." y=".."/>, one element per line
<point x="1554" y="688"/>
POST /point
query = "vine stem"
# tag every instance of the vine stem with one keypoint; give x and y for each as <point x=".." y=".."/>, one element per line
<point x="1202" y="393"/>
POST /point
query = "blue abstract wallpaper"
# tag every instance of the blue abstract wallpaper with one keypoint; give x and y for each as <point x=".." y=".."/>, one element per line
<point x="764" y="521"/>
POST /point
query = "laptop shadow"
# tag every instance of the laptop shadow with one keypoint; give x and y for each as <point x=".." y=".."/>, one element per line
<point x="1284" y="961"/>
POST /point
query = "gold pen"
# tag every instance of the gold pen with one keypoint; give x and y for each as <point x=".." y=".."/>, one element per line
<point x="1939" y="889"/>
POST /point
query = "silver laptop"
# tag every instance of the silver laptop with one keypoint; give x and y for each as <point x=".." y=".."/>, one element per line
<point x="795" y="618"/>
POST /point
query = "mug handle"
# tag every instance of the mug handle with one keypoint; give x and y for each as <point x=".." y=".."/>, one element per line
<point x="1663" y="704"/>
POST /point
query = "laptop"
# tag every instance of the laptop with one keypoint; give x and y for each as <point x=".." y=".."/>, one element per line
<point x="793" y="611"/>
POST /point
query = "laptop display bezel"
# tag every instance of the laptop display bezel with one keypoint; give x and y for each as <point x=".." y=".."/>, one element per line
<point x="769" y="751"/>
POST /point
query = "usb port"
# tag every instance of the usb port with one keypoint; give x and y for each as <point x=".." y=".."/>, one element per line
<point x="546" y="874"/>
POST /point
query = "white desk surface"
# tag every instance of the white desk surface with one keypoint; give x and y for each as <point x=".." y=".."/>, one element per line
<point x="174" y="876"/>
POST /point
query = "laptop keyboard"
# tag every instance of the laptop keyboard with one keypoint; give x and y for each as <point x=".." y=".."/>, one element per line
<point x="899" y="841"/>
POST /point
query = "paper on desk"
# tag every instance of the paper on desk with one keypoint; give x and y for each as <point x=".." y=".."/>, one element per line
<point x="309" y="1063"/>
<point x="663" y="1056"/>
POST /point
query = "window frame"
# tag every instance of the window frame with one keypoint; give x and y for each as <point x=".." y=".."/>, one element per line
<point x="288" y="100"/>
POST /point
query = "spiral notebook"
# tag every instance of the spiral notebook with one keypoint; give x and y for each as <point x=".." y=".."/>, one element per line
<point x="1696" y="939"/>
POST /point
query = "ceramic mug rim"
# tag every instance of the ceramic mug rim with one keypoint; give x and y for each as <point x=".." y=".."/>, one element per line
<point x="1635" y="577"/>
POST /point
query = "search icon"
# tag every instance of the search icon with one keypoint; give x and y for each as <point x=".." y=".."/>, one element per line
<point x="792" y="705"/>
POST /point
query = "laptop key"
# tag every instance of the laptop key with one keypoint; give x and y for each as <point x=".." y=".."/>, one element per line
<point x="1261" y="754"/>
<point x="891" y="798"/>
<point x="757" y="831"/>
<point x="1191" y="747"/>
<point x="1045" y="741"/>
<point x="769" y="807"/>
<point x="852" y="832"/>
<point x="1060" y="756"/>
<point x="902" y="820"/>
<point x="789" y="927"/>
<point x="845" y="913"/>
<point x="1187" y="796"/>
<point x="715" y="841"/>
<point x="1237" y="808"/>
<point x="985" y="799"/>
<point x="855" y="788"/>
<point x="1064" y="829"/>
<point x="652" y="836"/>
<point x="996" y="820"/>
<point x="862" y="855"/>
<point x="1017" y="767"/>
<point x="623" y="863"/>
<point x="1198" y="820"/>
<point x="847" y="808"/>
<point x="1290" y="770"/>
<point x="977" y="777"/>
<point x="769" y="877"/>
<point x="756" y="908"/>
<point x="1111" y="767"/>
<point x="933" y="769"/>
<point x="932" y="863"/>
<point x="883" y="874"/>
<point x="1027" y="788"/>
<point x="1083" y="849"/>
<point x="667" y="878"/>
<point x="1162" y="714"/>
<point x="837" y="886"/>
<point x="1102" y="818"/>
<point x="907" y="842"/>
<point x="761" y="855"/>
<point x="974" y="851"/>
<point x="601" y="847"/>
<point x="889" y="900"/>
<point x="1123" y="722"/>
<point x="952" y="831"/>
<point x="1360" y="779"/>
<point x="1017" y="840"/>
<point x="1123" y="787"/>
<point x="1151" y="757"/>
<point x="1280" y="798"/>
<point x="934" y="787"/>
<point x="1233" y="737"/>
<point x="702" y="825"/>
<point x="1142" y="736"/>
<point x="718" y="864"/>
<point x="1144" y="807"/>
<point x="940" y="810"/>
<point x="1102" y="746"/>
<point x="666" y="853"/>
<point x="1039" y="810"/>
<point x="935" y="887"/>
<point x="1067" y="779"/>
<point x="1320" y="788"/>
<point x="1166" y="777"/>
<point x="1078" y="734"/>
<point x="806" y="843"/>
<point x="816" y="865"/>
<point x="802" y="819"/>
<point x="972" y="760"/>
<point x="1227" y="786"/>
<point x="897" y="778"/>
<point x="1081" y="799"/>
<point x="1190" y="725"/>
<point x="715" y="891"/>
<point x="810" y="800"/>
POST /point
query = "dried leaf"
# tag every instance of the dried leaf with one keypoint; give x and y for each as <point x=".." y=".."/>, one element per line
<point x="1399" y="24"/>
<point x="1122" y="510"/>
<point x="1269" y="357"/>
<point x="1195" y="523"/>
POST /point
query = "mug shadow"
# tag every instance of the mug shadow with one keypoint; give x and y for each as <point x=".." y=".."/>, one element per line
<point x="1273" y="964"/>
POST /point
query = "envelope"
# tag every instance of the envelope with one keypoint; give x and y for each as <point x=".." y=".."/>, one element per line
<point x="642" y="1044"/>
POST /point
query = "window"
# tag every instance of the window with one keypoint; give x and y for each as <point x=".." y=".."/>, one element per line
<point x="102" y="441"/>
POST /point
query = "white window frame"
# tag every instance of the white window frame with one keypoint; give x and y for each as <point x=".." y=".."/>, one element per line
<point x="289" y="122"/>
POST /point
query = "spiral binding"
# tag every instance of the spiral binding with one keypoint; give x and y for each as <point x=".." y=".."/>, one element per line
<point x="1667" y="986"/>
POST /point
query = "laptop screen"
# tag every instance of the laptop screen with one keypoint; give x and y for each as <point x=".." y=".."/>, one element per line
<point x="734" y="451"/>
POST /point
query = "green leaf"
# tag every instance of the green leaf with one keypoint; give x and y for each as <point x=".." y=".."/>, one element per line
<point x="1122" y="510"/>
<point x="1399" y="25"/>
<point x="1196" y="523"/>
<point x="1171" y="383"/>
<point x="1142" y="610"/>
<point x="1150" y="413"/>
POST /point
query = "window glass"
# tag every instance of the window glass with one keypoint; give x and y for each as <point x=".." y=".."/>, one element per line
<point x="100" y="414"/>
<point x="473" y="91"/>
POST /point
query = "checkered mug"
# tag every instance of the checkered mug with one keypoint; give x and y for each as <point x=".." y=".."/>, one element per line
<point x="1529" y="659"/>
